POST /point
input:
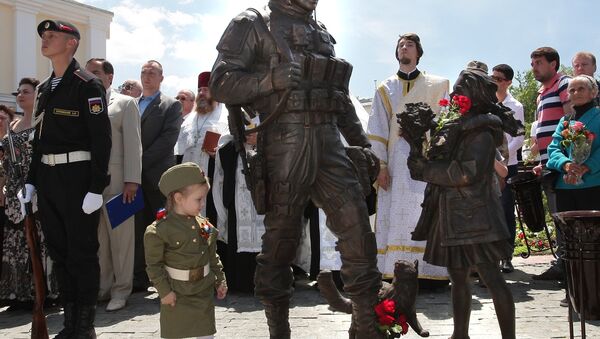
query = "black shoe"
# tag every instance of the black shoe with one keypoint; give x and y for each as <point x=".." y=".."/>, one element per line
<point x="564" y="303"/>
<point x="553" y="273"/>
<point x="506" y="266"/>
<point x="140" y="287"/>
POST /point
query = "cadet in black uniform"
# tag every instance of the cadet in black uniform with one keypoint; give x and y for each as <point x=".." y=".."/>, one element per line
<point x="69" y="167"/>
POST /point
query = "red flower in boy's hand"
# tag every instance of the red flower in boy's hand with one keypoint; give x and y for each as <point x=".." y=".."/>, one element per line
<point x="444" y="102"/>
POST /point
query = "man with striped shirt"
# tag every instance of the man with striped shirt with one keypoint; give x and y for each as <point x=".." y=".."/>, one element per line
<point x="552" y="105"/>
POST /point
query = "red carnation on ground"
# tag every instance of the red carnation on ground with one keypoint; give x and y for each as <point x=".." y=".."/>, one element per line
<point x="386" y="320"/>
<point x="385" y="307"/>
<point x="403" y="323"/>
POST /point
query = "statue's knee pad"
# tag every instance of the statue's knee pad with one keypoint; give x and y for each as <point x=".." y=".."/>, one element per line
<point x="359" y="247"/>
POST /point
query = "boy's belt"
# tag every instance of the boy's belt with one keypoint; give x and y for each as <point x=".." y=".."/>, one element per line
<point x="194" y="274"/>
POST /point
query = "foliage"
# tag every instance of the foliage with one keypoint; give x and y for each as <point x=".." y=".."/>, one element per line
<point x="525" y="90"/>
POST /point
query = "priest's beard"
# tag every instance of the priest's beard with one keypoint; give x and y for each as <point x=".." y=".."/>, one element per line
<point x="405" y="61"/>
<point x="205" y="105"/>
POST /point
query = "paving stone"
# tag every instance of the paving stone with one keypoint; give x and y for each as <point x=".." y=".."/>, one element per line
<point x="240" y="316"/>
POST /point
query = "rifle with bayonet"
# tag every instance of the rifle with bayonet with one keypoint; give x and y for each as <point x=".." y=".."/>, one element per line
<point x="39" y="330"/>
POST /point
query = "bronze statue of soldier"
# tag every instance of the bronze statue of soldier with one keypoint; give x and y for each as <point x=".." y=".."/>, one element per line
<point x="280" y="63"/>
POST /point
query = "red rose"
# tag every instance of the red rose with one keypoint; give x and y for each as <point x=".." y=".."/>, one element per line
<point x="578" y="126"/>
<point x="591" y="136"/>
<point x="385" y="307"/>
<point x="521" y="235"/>
<point x="386" y="320"/>
<point x="540" y="243"/>
<point x="444" y="102"/>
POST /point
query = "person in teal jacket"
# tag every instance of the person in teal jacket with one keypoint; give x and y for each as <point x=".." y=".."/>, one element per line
<point x="572" y="193"/>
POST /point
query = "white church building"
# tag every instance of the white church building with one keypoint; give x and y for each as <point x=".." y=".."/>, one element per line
<point x="20" y="52"/>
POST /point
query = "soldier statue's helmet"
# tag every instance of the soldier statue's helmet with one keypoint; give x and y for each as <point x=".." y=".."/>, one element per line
<point x="58" y="26"/>
<point x="180" y="176"/>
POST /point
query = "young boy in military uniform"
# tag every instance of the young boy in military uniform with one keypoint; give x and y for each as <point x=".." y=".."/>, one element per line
<point x="181" y="257"/>
<point x="69" y="170"/>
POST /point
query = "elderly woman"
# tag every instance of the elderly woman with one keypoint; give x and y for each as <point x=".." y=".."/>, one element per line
<point x="571" y="194"/>
<point x="462" y="218"/>
<point x="16" y="282"/>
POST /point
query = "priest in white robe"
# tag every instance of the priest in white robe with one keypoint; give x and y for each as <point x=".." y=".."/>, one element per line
<point x="209" y="115"/>
<point x="399" y="197"/>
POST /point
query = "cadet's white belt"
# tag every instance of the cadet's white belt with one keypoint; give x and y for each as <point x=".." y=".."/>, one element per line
<point x="188" y="275"/>
<point x="65" y="158"/>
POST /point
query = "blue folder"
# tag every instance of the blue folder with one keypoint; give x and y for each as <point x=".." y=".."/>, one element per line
<point x="119" y="211"/>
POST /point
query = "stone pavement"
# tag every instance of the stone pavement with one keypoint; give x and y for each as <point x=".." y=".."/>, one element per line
<point x="538" y="313"/>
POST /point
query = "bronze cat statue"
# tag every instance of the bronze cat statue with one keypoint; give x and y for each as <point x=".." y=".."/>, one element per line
<point x="403" y="290"/>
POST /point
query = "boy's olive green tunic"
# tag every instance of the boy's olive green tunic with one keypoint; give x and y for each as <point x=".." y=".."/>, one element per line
<point x="176" y="241"/>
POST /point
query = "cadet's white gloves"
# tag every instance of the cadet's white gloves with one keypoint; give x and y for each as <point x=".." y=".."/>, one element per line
<point x="29" y="192"/>
<point x="91" y="202"/>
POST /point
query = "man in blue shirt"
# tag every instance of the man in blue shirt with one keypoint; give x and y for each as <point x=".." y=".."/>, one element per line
<point x="160" y="123"/>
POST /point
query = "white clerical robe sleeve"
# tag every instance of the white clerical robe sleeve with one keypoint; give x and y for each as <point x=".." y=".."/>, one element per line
<point x="378" y="127"/>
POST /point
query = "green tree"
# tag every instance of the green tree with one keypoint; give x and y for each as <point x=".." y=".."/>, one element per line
<point x="525" y="90"/>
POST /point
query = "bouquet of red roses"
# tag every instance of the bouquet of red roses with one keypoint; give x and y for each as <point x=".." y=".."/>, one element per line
<point x="388" y="323"/>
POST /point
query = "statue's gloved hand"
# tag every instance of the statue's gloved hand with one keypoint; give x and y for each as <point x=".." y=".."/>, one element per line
<point x="373" y="162"/>
<point x="91" y="202"/>
<point x="25" y="197"/>
<point x="286" y="76"/>
<point x="416" y="165"/>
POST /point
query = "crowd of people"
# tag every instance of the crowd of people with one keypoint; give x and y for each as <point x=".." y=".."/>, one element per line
<point x="81" y="142"/>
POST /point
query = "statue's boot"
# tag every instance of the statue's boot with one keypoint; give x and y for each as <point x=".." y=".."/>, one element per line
<point x="365" y="320"/>
<point x="277" y="313"/>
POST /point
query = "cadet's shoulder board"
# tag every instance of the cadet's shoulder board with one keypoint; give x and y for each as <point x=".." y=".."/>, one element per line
<point x="84" y="75"/>
<point x="95" y="105"/>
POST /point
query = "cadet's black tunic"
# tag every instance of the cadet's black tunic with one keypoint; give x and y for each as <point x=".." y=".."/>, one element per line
<point x="72" y="117"/>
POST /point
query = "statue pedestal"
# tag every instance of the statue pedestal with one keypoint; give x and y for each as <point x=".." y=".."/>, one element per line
<point x="581" y="230"/>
